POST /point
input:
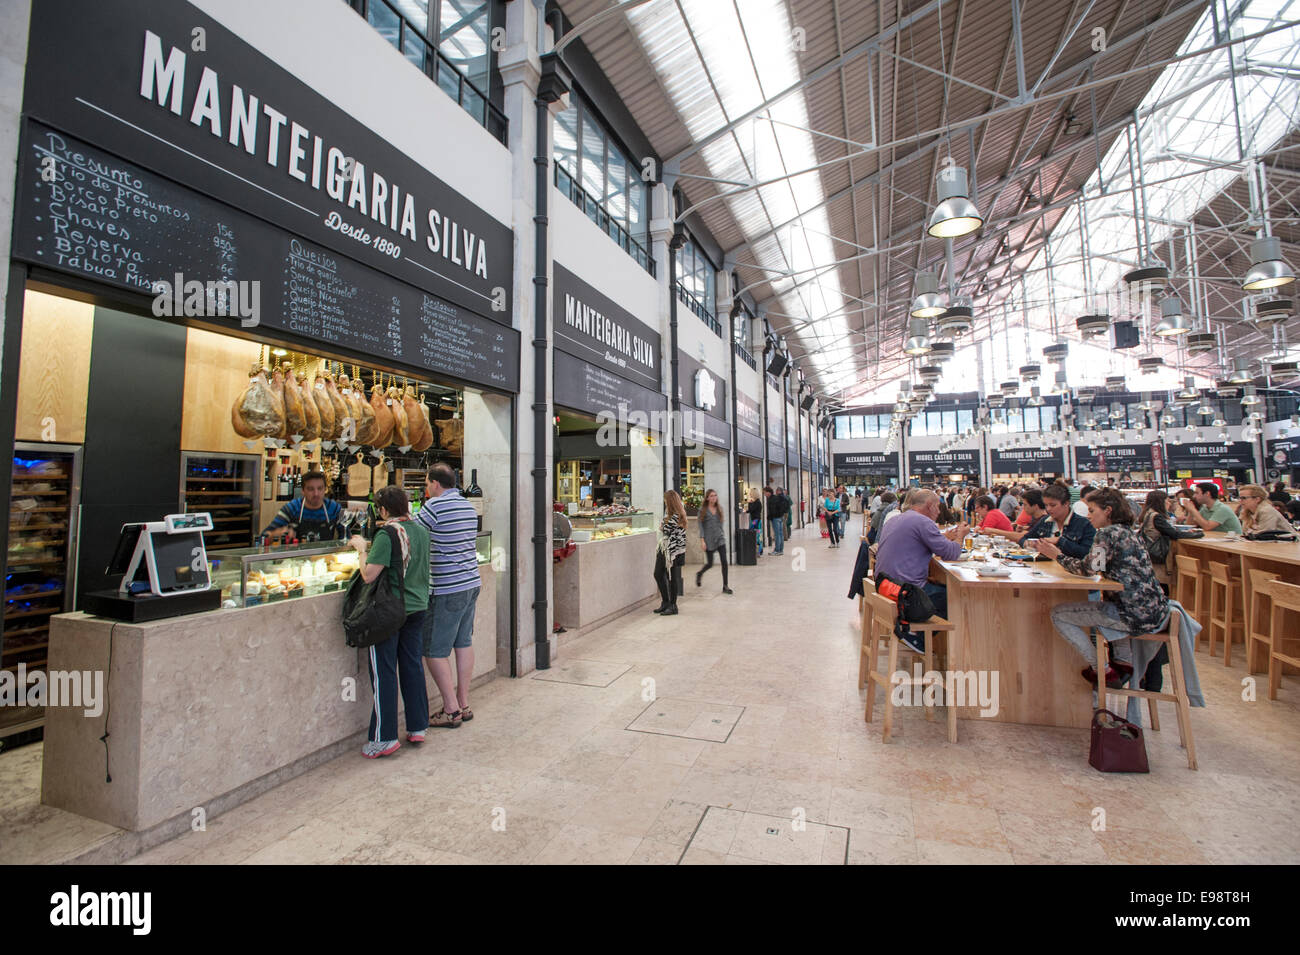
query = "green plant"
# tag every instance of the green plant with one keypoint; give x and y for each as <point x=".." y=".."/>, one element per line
<point x="692" y="497"/>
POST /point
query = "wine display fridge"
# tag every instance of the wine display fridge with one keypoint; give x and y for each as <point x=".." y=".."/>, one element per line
<point x="40" y="566"/>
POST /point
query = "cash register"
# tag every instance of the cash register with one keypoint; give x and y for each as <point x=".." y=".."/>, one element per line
<point x="164" y="568"/>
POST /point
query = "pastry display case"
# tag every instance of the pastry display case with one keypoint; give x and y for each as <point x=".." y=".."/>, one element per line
<point x="606" y="523"/>
<point x="250" y="576"/>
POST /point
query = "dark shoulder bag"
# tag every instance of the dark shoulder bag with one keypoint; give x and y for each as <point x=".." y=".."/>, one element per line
<point x="1157" y="544"/>
<point x="372" y="613"/>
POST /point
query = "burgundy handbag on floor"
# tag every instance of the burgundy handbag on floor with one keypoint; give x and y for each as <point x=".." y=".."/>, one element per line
<point x="1117" y="745"/>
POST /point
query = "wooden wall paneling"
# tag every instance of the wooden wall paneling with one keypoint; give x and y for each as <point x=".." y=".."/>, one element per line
<point x="54" y="369"/>
<point x="216" y="373"/>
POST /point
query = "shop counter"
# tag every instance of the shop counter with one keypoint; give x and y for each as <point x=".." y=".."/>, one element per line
<point x="604" y="579"/>
<point x="209" y="710"/>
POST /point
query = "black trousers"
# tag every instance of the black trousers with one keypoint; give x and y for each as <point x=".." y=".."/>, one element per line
<point x="722" y="557"/>
<point x="669" y="583"/>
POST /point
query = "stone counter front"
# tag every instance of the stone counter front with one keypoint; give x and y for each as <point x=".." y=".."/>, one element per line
<point x="603" y="579"/>
<point x="201" y="705"/>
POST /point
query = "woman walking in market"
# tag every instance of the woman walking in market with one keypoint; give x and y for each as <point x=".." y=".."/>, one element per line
<point x="713" y="537"/>
<point x="671" y="554"/>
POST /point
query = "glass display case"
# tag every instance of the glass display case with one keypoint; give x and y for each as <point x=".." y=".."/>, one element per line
<point x="483" y="547"/>
<point x="590" y="526"/>
<point x="249" y="576"/>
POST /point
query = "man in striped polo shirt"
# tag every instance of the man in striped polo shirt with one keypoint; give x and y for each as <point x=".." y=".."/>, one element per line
<point x="453" y="592"/>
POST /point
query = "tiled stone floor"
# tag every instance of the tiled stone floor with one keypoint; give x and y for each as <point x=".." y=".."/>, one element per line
<point x="733" y="733"/>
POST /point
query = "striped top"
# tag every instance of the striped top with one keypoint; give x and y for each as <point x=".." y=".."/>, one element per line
<point x="453" y="524"/>
<point x="296" y="511"/>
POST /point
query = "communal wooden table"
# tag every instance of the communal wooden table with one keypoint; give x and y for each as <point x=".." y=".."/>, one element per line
<point x="1004" y="625"/>
<point x="1241" y="556"/>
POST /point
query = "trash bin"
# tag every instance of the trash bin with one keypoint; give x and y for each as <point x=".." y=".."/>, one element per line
<point x="747" y="546"/>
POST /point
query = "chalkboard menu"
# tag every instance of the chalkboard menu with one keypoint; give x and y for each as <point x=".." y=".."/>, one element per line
<point x="88" y="213"/>
<point x="1283" y="453"/>
<point x="582" y="386"/>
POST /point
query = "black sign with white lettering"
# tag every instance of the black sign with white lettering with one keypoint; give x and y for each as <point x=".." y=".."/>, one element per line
<point x="166" y="87"/>
<point x="582" y="386"/>
<point x="1235" y="454"/>
<point x="1283" y="453"/>
<point x="1116" y="460"/>
<point x="1028" y="461"/>
<point x="943" y="462"/>
<point x="100" y="217"/>
<point x="591" y="326"/>
<point x="884" y="463"/>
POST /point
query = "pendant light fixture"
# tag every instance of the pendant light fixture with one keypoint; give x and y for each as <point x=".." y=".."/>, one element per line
<point x="1249" y="397"/>
<point x="1151" y="273"/>
<point x="928" y="303"/>
<point x="955" y="215"/>
<point x="1241" y="372"/>
<point x="918" y="341"/>
<point x="1172" y="321"/>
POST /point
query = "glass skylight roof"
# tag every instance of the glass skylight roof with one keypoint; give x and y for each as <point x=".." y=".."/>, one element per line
<point x="719" y="63"/>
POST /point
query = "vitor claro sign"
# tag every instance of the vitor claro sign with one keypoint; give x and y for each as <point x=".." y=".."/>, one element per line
<point x="169" y="88"/>
<point x="1028" y="461"/>
<point x="1234" y="454"/>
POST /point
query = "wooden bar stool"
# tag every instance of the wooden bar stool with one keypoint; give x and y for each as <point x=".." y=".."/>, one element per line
<point x="1286" y="599"/>
<point x="1187" y="579"/>
<point x="1259" y="636"/>
<point x="870" y="649"/>
<point x="1225" y="615"/>
<point x="883" y="613"/>
<point x="1178" y="697"/>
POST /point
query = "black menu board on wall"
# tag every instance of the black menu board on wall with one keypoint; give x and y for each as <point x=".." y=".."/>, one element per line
<point x="101" y="218"/>
<point x="582" y="386"/>
<point x="749" y="444"/>
<point x="1283" y="453"/>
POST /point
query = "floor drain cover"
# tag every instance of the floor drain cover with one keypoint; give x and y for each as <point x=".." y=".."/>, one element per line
<point x="772" y="831"/>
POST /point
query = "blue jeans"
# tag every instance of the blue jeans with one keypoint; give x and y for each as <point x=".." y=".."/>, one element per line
<point x="394" y="663"/>
<point x="778" y="535"/>
<point x="938" y="595"/>
<point x="1074" y="620"/>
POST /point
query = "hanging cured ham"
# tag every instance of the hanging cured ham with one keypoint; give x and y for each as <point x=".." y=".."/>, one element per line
<point x="415" y="423"/>
<point x="329" y="429"/>
<point x="383" y="435"/>
<point x="401" y="426"/>
<point x="256" y="411"/>
<point x="426" y="439"/>
<point x="354" y="408"/>
<point x="311" y="429"/>
<point x="341" y="411"/>
<point x="277" y="395"/>
<point x="367" y="426"/>
<point x="295" y="416"/>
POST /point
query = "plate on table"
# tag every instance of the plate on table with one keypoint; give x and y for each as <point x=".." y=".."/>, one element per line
<point x="991" y="570"/>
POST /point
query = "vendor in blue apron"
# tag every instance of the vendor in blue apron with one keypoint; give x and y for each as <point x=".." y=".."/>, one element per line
<point x="311" y="514"/>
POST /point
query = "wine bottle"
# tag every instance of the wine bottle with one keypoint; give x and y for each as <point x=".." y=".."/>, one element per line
<point x="284" y="483"/>
<point x="473" y="490"/>
<point x="268" y="482"/>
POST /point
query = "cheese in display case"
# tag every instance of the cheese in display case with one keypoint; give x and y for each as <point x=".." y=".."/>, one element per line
<point x="251" y="576"/>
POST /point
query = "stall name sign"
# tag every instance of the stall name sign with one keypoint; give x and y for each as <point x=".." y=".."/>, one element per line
<point x="583" y="318"/>
<point x="1234" y="454"/>
<point x="967" y="461"/>
<point x="593" y="327"/>
<point x="132" y="78"/>
<point x="1123" y="457"/>
<point x="1027" y="460"/>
